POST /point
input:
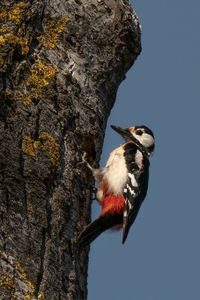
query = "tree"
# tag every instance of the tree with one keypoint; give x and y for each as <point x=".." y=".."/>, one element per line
<point x="61" y="64"/>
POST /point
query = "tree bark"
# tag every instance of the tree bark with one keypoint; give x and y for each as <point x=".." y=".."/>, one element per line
<point x="61" y="64"/>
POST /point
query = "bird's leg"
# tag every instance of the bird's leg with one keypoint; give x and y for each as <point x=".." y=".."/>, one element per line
<point x="93" y="188"/>
<point x="85" y="161"/>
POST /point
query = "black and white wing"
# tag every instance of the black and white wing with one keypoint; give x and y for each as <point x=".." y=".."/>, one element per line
<point x="135" y="188"/>
<point x="132" y="204"/>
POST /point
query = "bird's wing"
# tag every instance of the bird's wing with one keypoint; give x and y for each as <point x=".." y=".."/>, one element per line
<point x="134" y="193"/>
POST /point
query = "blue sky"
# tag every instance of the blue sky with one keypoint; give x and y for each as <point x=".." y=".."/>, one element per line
<point x="161" y="257"/>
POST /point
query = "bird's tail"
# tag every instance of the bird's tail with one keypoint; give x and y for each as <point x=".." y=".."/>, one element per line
<point x="94" y="229"/>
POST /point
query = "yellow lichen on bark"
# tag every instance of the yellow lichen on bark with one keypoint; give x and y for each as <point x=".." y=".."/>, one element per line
<point x="18" y="96"/>
<point x="13" y="285"/>
<point x="53" y="28"/>
<point x="23" y="42"/>
<point x="24" y="277"/>
<point x="7" y="282"/>
<point x="11" y="39"/>
<point x="30" y="209"/>
<point x="14" y="13"/>
<point x="28" y="146"/>
<point x="40" y="75"/>
<point x="46" y="143"/>
<point x="40" y="72"/>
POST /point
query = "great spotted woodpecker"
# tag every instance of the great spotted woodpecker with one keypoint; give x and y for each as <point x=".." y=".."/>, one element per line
<point x="123" y="183"/>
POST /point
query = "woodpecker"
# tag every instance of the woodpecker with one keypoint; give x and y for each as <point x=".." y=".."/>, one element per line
<point x="123" y="183"/>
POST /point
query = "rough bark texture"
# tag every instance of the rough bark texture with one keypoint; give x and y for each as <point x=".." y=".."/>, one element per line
<point x="61" y="64"/>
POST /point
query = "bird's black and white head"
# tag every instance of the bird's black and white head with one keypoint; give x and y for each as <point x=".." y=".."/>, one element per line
<point x="142" y="136"/>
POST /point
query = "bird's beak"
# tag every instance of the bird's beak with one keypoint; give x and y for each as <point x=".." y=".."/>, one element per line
<point x="125" y="133"/>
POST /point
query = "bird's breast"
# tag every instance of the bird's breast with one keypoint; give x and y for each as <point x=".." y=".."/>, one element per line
<point x="116" y="175"/>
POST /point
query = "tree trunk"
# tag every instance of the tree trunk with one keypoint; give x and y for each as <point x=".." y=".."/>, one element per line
<point x="61" y="64"/>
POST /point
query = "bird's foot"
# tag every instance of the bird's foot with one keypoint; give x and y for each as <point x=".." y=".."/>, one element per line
<point x="84" y="161"/>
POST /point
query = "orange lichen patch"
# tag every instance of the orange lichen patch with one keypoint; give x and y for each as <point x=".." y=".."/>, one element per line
<point x="24" y="98"/>
<point x="30" y="209"/>
<point x="45" y="143"/>
<point x="48" y="143"/>
<point x="14" y="13"/>
<point x="28" y="146"/>
<point x="18" y="96"/>
<point x="53" y="28"/>
<point x="27" y="289"/>
<point x="24" y="277"/>
<point x="9" y="38"/>
<point x="3" y="14"/>
<point x="41" y="73"/>
<point x="24" y="45"/>
<point x="7" y="282"/>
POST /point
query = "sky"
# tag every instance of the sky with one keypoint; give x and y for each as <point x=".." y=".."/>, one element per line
<point x="161" y="257"/>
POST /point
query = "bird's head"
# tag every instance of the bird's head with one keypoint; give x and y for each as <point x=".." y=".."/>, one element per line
<point x="142" y="136"/>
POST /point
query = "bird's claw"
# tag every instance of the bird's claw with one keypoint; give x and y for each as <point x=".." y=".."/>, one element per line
<point x="84" y="161"/>
<point x="84" y="157"/>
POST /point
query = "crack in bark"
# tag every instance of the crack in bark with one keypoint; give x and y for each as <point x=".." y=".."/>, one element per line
<point x="41" y="270"/>
<point x="37" y="125"/>
<point x="45" y="232"/>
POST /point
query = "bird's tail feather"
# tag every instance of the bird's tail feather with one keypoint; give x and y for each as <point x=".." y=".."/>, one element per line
<point x="94" y="229"/>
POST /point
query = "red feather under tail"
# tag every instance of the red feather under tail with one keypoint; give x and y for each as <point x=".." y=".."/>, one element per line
<point x="113" y="204"/>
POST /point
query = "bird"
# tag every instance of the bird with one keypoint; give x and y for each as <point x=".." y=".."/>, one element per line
<point x="123" y="183"/>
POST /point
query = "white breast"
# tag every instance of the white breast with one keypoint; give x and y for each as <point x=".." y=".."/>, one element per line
<point x="116" y="173"/>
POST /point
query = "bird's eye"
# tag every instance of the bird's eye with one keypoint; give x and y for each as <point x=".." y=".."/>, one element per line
<point x="139" y="132"/>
